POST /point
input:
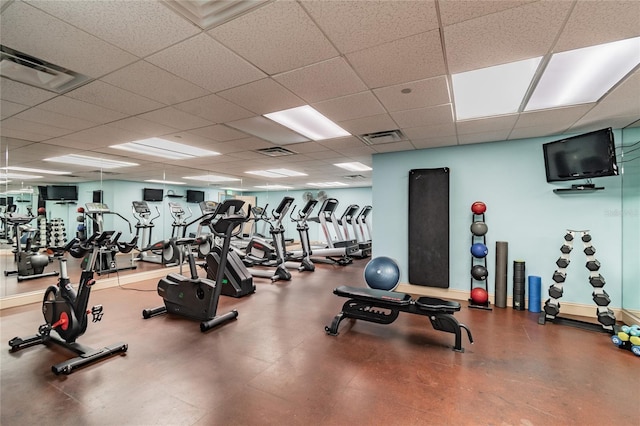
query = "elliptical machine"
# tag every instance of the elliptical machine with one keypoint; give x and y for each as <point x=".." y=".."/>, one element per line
<point x="194" y="297"/>
<point x="260" y="252"/>
<point x="303" y="256"/>
<point x="163" y="252"/>
<point x="31" y="264"/>
<point x="65" y="309"/>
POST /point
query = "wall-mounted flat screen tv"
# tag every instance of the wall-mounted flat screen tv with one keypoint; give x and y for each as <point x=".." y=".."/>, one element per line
<point x="195" y="196"/>
<point x="152" y="194"/>
<point x="585" y="156"/>
<point x="62" y="193"/>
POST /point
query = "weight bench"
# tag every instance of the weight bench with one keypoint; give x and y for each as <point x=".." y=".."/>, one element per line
<point x="364" y="304"/>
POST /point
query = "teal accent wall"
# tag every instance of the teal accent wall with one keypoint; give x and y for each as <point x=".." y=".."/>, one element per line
<point x="630" y="215"/>
<point x="522" y="209"/>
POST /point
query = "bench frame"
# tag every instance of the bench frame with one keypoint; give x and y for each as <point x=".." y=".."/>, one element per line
<point x="365" y="304"/>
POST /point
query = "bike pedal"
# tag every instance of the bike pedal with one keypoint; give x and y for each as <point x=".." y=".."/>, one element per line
<point x="97" y="313"/>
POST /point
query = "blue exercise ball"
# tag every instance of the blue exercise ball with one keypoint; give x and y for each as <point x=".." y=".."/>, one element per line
<point x="479" y="250"/>
<point x="382" y="273"/>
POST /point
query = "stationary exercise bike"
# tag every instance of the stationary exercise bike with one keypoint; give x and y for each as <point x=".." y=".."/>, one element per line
<point x="197" y="298"/>
<point x="31" y="264"/>
<point x="65" y="310"/>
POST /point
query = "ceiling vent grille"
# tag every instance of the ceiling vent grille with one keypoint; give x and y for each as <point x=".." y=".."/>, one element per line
<point x="354" y="177"/>
<point x="276" y="151"/>
<point x="386" y="136"/>
<point x="210" y="13"/>
<point x="35" y="72"/>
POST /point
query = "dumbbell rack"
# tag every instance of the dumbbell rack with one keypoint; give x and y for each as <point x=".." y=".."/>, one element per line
<point x="600" y="297"/>
<point x="481" y="261"/>
<point x="56" y="233"/>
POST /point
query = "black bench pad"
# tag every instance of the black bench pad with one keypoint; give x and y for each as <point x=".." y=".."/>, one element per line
<point x="433" y="304"/>
<point x="373" y="295"/>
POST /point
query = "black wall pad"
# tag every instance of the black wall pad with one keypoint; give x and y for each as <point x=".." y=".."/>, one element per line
<point x="429" y="227"/>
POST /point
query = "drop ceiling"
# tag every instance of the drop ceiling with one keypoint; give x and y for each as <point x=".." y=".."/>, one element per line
<point x="370" y="66"/>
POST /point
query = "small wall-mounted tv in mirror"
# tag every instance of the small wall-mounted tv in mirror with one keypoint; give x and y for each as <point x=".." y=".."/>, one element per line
<point x="195" y="196"/>
<point x="152" y="194"/>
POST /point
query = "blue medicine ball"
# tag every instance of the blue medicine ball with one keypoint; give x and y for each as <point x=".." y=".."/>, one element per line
<point x="479" y="250"/>
<point x="382" y="273"/>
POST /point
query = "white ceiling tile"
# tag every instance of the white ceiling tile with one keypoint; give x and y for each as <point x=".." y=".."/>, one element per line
<point x="214" y="109"/>
<point x="103" y="136"/>
<point x="342" y="143"/>
<point x="394" y="147"/>
<point x="27" y="126"/>
<point x="324" y="80"/>
<point x="438" y="115"/>
<point x="81" y="109"/>
<point x="114" y="98"/>
<point x="375" y="123"/>
<point x="305" y="147"/>
<point x="593" y="22"/>
<point x="430" y="132"/>
<point x="508" y="36"/>
<point x="360" y="105"/>
<point x="552" y="117"/>
<point x="140" y="27"/>
<point x="55" y="119"/>
<point x="505" y="122"/>
<point x="429" y="92"/>
<point x="144" y="128"/>
<point x="8" y="132"/>
<point x="206" y="63"/>
<point x="219" y="133"/>
<point x="262" y="96"/>
<point x="492" y="136"/>
<point x="408" y="59"/>
<point x="454" y="11"/>
<point x="276" y="38"/>
<point x="58" y="42"/>
<point x="154" y="83"/>
<point x="175" y="118"/>
<point x="435" y="142"/>
<point x="21" y="93"/>
<point x="537" y="131"/>
<point x="354" y="25"/>
<point x="7" y="109"/>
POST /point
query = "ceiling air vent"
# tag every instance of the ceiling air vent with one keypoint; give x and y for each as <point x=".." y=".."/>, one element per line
<point x="354" y="177"/>
<point x="35" y="72"/>
<point x="276" y="151"/>
<point x="386" y="136"/>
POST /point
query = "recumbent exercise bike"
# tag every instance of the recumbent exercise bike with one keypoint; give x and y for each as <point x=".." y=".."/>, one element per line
<point x="65" y="309"/>
<point x="197" y="298"/>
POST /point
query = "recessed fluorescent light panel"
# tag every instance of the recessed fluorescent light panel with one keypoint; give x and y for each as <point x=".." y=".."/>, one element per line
<point x="18" y="176"/>
<point x="43" y="171"/>
<point x="158" y="147"/>
<point x="276" y="173"/>
<point x="326" y="184"/>
<point x="309" y="122"/>
<point x="354" y="167"/>
<point x="165" y="182"/>
<point x="267" y="130"/>
<point x="584" y="75"/>
<point x="492" y="91"/>
<point x="273" y="187"/>
<point x="83" y="160"/>
<point x="212" y="178"/>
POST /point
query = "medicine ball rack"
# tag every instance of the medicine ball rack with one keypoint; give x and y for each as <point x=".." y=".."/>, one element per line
<point x="478" y="269"/>
<point x="600" y="297"/>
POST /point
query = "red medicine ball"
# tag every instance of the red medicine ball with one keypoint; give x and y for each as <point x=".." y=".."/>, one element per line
<point x="478" y="207"/>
